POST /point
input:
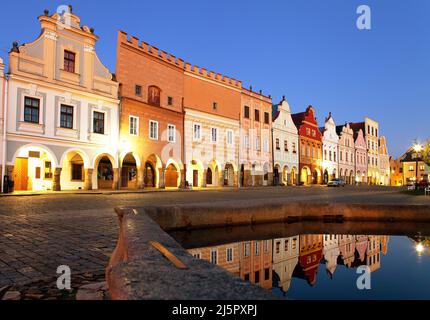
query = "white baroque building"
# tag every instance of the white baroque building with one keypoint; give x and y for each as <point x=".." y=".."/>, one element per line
<point x="346" y="153"/>
<point x="62" y="128"/>
<point x="330" y="150"/>
<point x="285" y="145"/>
<point x="285" y="259"/>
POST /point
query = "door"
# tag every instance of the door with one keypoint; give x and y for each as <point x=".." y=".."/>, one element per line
<point x="20" y="174"/>
<point x="195" y="178"/>
<point x="172" y="177"/>
<point x="124" y="177"/>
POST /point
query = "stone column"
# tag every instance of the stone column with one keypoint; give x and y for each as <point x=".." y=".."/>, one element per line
<point x="56" y="185"/>
<point x="9" y="173"/>
<point x="88" y="179"/>
<point x="162" y="178"/>
<point x="116" y="179"/>
<point x="205" y="173"/>
<point x="140" y="178"/>
<point x="270" y="181"/>
<point x="221" y="179"/>
<point x="183" y="178"/>
<point x="236" y="176"/>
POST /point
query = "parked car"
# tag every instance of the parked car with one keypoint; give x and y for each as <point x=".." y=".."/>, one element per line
<point x="336" y="183"/>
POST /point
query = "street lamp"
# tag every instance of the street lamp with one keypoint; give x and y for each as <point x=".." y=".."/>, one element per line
<point x="417" y="148"/>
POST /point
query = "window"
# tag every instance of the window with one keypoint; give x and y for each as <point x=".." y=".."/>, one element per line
<point x="154" y="94"/>
<point x="170" y="101"/>
<point x="294" y="148"/>
<point x="278" y="146"/>
<point x="411" y="168"/>
<point x="266" y="145"/>
<point x="31" y="110"/>
<point x="134" y="125"/>
<point x="278" y="247"/>
<point x="308" y="131"/>
<point x="257" y="143"/>
<point x="69" y="61"/>
<point x="246" y="141"/>
<point x="246" y="112"/>
<point x="197" y="132"/>
<point x="266" y="118"/>
<point x="172" y="133"/>
<point x="247" y="249"/>
<point x="246" y="277"/>
<point x="37" y="173"/>
<point x="286" y="244"/>
<point x="214" y="257"/>
<point x="257" y="115"/>
<point x="229" y="255"/>
<point x="66" y="118"/>
<point x="334" y="156"/>
<point x="286" y="146"/>
<point x="153" y="130"/>
<point x="77" y="172"/>
<point x="257" y="248"/>
<point x="214" y="135"/>
<point x="266" y="246"/>
<point x="48" y="170"/>
<point x="229" y="137"/>
<point x="257" y="277"/>
<point x="99" y="122"/>
<point x="197" y="256"/>
<point x="422" y="168"/>
<point x="138" y="90"/>
<point x="294" y="243"/>
<point x="215" y="106"/>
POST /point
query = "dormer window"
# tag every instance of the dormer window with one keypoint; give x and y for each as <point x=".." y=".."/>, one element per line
<point x="154" y="94"/>
<point x="69" y="61"/>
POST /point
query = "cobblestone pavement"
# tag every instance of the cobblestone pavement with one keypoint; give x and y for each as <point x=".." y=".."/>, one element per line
<point x="40" y="233"/>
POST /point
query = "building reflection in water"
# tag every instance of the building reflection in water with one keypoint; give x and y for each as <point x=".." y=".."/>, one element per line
<point x="276" y="262"/>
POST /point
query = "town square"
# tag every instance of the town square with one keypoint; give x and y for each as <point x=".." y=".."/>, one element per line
<point x="135" y="166"/>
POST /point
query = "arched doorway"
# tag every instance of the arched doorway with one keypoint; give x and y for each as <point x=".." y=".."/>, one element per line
<point x="129" y="172"/>
<point x="277" y="179"/>
<point x="253" y="174"/>
<point x="229" y="175"/>
<point x="34" y="168"/>
<point x="306" y="176"/>
<point x="286" y="178"/>
<point x="105" y="174"/>
<point x="341" y="174"/>
<point x="172" y="176"/>
<point x="333" y="176"/>
<point x="149" y="179"/>
<point x="209" y="177"/>
<point x="326" y="177"/>
<point x="73" y="172"/>
<point x="315" y="177"/>
<point x="242" y="175"/>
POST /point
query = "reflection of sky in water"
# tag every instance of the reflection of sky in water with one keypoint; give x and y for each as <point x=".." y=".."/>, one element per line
<point x="403" y="275"/>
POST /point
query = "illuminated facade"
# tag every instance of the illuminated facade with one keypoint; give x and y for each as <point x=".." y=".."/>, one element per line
<point x="346" y="153"/>
<point x="311" y="253"/>
<point x="285" y="259"/>
<point x="256" y="160"/>
<point x="151" y="127"/>
<point x="62" y="128"/>
<point x="285" y="145"/>
<point x="360" y="157"/>
<point x="2" y="120"/>
<point x="396" y="169"/>
<point x="256" y="263"/>
<point x="413" y="168"/>
<point x="310" y="148"/>
<point x="331" y="253"/>
<point x="330" y="150"/>
<point x="384" y="163"/>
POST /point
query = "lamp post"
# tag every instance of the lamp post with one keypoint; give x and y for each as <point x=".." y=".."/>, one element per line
<point x="417" y="148"/>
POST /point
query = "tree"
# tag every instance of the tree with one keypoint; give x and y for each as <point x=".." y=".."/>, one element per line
<point x="426" y="152"/>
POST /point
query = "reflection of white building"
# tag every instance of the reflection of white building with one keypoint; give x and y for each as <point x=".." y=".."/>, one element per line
<point x="331" y="253"/>
<point x="285" y="259"/>
<point x="347" y="249"/>
<point x="373" y="258"/>
<point x="62" y="129"/>
<point x="330" y="150"/>
<point x="285" y="141"/>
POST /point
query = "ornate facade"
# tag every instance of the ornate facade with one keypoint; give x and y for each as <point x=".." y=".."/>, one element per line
<point x="360" y="157"/>
<point x="151" y="129"/>
<point x="256" y="160"/>
<point x="384" y="163"/>
<point x="285" y="259"/>
<point x="285" y="145"/>
<point x="62" y="128"/>
<point x="346" y="153"/>
<point x="2" y="121"/>
<point x="330" y="150"/>
<point x="310" y="147"/>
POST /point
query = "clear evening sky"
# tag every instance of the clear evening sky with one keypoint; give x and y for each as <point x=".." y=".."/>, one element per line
<point x="309" y="50"/>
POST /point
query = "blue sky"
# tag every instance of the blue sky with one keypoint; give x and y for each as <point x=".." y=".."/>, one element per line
<point x="308" y="50"/>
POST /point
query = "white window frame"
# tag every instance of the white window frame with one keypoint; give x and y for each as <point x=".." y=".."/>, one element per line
<point x="266" y="147"/>
<point x="214" y="251"/>
<point x="213" y="129"/>
<point x="247" y="249"/>
<point x="246" y="141"/>
<point x="199" y="138"/>
<point x="257" y="143"/>
<point x="173" y="127"/>
<point x="137" y="125"/>
<point x="230" y="134"/>
<point x="150" y="124"/>
<point x="229" y="250"/>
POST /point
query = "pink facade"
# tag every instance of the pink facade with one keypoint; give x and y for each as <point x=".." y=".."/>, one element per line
<point x="360" y="157"/>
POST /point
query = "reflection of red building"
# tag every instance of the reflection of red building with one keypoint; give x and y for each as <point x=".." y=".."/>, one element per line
<point x="256" y="262"/>
<point x="310" y="146"/>
<point x="311" y="252"/>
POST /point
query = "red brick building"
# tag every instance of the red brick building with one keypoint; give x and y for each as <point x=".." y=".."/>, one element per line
<point x="310" y="147"/>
